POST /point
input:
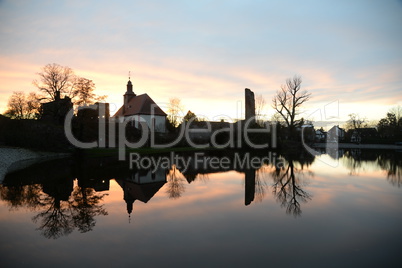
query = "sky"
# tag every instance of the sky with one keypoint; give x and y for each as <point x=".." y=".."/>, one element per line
<point x="205" y="53"/>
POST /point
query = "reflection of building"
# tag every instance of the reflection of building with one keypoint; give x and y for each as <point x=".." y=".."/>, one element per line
<point x="147" y="176"/>
<point x="141" y="108"/>
<point x="141" y="185"/>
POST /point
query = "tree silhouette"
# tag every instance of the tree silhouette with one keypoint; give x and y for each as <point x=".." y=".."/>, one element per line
<point x="22" y="106"/>
<point x="55" y="80"/>
<point x="288" y="101"/>
<point x="84" y="89"/>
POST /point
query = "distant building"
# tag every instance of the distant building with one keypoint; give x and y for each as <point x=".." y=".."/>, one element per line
<point x="90" y="119"/>
<point x="357" y="135"/>
<point x="308" y="132"/>
<point x="56" y="111"/>
<point x="320" y="135"/>
<point x="141" y="108"/>
<point x="336" y="134"/>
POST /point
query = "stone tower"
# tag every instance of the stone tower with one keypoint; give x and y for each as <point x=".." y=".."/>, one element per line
<point x="250" y="105"/>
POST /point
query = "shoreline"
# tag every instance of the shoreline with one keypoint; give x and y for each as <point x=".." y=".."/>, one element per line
<point x="357" y="146"/>
<point x="13" y="159"/>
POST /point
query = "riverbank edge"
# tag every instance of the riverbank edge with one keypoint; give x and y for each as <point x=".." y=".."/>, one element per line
<point x="15" y="158"/>
<point x="357" y="146"/>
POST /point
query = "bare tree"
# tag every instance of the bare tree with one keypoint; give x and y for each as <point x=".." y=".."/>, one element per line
<point x="355" y="122"/>
<point x="259" y="107"/>
<point x="288" y="101"/>
<point x="16" y="105"/>
<point x="55" y="80"/>
<point x="34" y="106"/>
<point x="397" y="111"/>
<point x="84" y="89"/>
<point x="174" y="109"/>
<point x="21" y="106"/>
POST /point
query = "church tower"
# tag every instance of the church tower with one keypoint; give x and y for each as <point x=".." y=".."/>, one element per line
<point x="129" y="94"/>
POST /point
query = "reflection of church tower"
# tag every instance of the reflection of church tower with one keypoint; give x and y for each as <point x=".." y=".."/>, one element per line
<point x="134" y="191"/>
<point x="129" y="200"/>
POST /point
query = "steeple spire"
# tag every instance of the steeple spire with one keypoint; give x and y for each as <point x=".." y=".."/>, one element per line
<point x="129" y="93"/>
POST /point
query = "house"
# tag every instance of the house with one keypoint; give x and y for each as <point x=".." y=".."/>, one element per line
<point x="335" y="134"/>
<point x="357" y="135"/>
<point x="320" y="135"/>
<point x="141" y="108"/>
<point x="56" y="111"/>
<point x="308" y="132"/>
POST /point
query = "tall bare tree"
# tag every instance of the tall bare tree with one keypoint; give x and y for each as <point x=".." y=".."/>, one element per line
<point x="174" y="110"/>
<point x="16" y="105"/>
<point x="259" y="108"/>
<point x="288" y="101"/>
<point x="355" y="122"/>
<point x="84" y="89"/>
<point x="22" y="106"/>
<point x="56" y="80"/>
<point x="397" y="111"/>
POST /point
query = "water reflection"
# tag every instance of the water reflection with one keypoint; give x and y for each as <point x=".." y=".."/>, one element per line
<point x="358" y="161"/>
<point x="176" y="183"/>
<point x="288" y="187"/>
<point x="69" y="195"/>
<point x="64" y="204"/>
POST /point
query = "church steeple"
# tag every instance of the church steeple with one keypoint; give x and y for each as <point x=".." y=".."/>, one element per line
<point x="129" y="93"/>
<point x="129" y="88"/>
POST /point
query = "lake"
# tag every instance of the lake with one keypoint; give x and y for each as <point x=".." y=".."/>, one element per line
<point x="284" y="211"/>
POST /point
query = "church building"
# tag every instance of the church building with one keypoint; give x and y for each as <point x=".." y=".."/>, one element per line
<point x="141" y="108"/>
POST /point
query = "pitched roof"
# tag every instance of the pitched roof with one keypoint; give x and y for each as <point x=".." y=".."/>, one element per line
<point x="140" y="104"/>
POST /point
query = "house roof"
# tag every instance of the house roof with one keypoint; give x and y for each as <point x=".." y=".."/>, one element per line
<point x="140" y="104"/>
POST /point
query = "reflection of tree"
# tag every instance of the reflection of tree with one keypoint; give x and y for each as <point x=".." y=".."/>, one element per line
<point x="58" y="217"/>
<point x="21" y="195"/>
<point x="260" y="184"/>
<point x="393" y="166"/>
<point x="85" y="205"/>
<point x="56" y="220"/>
<point x="175" y="183"/>
<point x="352" y="161"/>
<point x="287" y="188"/>
<point x="389" y="161"/>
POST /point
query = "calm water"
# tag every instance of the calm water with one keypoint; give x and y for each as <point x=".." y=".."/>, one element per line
<point x="305" y="212"/>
